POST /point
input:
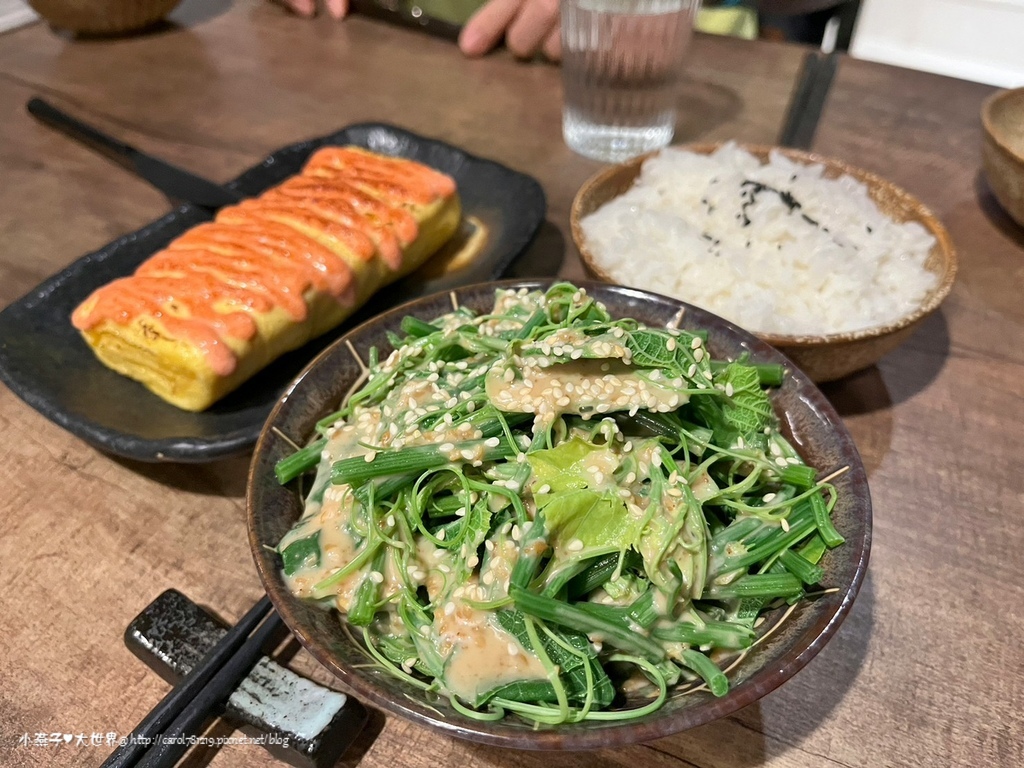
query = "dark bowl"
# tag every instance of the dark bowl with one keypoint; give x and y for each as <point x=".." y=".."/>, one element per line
<point x="807" y="417"/>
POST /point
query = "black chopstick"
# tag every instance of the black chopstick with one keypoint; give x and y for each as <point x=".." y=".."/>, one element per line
<point x="808" y="101"/>
<point x="182" y="695"/>
<point x="174" y="742"/>
<point x="798" y="103"/>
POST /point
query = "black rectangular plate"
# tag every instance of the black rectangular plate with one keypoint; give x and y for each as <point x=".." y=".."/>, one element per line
<point x="46" y="363"/>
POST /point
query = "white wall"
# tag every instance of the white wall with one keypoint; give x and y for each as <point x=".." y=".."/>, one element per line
<point x="981" y="40"/>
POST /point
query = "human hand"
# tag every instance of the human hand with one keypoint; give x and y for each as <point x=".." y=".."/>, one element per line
<point x="528" y="26"/>
<point x="337" y="8"/>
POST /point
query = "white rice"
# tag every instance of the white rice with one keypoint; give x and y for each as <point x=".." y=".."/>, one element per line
<point x="831" y="263"/>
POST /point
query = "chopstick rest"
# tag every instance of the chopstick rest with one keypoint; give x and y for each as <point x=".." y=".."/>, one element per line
<point x="296" y="719"/>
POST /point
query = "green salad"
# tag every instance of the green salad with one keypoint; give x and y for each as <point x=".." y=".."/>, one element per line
<point x="542" y="509"/>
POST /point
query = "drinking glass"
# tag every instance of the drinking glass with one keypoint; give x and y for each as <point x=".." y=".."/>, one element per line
<point x="622" y="62"/>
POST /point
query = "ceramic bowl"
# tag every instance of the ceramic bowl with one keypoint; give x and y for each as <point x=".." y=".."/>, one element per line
<point x="807" y="416"/>
<point x="103" y="17"/>
<point x="1002" y="149"/>
<point x="822" y="357"/>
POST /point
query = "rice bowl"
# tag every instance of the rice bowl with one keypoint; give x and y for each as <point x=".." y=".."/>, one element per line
<point x="776" y="248"/>
<point x="823" y="355"/>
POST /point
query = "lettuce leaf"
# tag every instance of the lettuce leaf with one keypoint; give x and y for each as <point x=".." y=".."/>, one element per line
<point x="577" y="507"/>
<point x="598" y="519"/>
<point x="563" y="468"/>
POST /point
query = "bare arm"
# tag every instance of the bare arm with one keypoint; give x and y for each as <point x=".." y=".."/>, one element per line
<point x="527" y="26"/>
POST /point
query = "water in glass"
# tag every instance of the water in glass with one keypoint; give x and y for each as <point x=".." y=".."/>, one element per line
<point x="621" y="66"/>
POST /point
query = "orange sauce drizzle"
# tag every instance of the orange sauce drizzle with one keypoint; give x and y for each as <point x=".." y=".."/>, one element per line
<point x="278" y="242"/>
<point x="282" y="287"/>
<point x="340" y="211"/>
<point x="395" y="218"/>
<point x="267" y="252"/>
<point x="403" y="180"/>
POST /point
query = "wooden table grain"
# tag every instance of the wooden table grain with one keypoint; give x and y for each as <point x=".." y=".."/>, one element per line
<point x="927" y="669"/>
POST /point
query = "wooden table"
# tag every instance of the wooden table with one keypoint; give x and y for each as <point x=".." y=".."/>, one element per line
<point x="927" y="669"/>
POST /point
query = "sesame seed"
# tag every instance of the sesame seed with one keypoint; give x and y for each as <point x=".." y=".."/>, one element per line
<point x="492" y="442"/>
<point x="446" y="447"/>
<point x="376" y="577"/>
<point x="489" y="545"/>
<point x="543" y="489"/>
<point x="728" y="390"/>
<point x="768" y="498"/>
<point x="410" y="662"/>
<point x="440" y="535"/>
<point x="785" y="524"/>
<point x="575" y="545"/>
<point x="513" y="649"/>
<point x="695" y="343"/>
<point x="390" y="522"/>
<point x="781" y="461"/>
<point x="670" y="345"/>
<point x="449" y="609"/>
<point x="698" y="355"/>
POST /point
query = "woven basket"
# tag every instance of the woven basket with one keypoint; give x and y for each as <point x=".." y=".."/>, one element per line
<point x="103" y="17"/>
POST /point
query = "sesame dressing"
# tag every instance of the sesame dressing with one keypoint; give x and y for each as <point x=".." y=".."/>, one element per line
<point x="498" y="520"/>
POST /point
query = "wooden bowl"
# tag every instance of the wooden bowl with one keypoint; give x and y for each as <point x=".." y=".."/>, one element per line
<point x="824" y="357"/>
<point x="1002" y="149"/>
<point x="787" y="642"/>
<point x="103" y="17"/>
